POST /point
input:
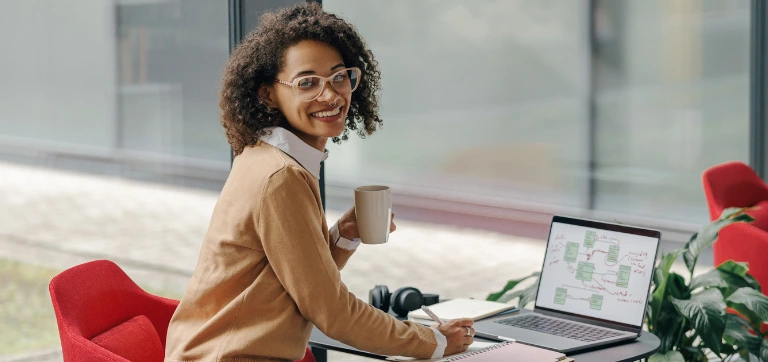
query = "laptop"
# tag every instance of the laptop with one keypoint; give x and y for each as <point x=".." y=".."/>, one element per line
<point x="593" y="288"/>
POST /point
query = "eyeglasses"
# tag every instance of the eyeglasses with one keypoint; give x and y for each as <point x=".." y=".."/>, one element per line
<point x="309" y="87"/>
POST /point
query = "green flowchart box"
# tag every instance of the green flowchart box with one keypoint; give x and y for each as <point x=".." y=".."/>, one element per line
<point x="584" y="271"/>
<point x="589" y="240"/>
<point x="623" y="279"/>
<point x="596" y="302"/>
<point x="560" y="294"/>
<point x="613" y="253"/>
<point x="571" y="251"/>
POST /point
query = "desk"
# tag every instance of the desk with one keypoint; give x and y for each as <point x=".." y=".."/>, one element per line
<point x="640" y="348"/>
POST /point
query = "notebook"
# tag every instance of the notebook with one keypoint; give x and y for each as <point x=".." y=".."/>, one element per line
<point x="475" y="346"/>
<point x="462" y="308"/>
<point x="509" y="352"/>
<point x="497" y="352"/>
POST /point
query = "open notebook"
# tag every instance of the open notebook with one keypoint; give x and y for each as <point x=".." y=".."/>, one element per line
<point x="462" y="308"/>
<point x="497" y="352"/>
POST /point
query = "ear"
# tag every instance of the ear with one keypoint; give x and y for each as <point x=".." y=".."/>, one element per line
<point x="267" y="95"/>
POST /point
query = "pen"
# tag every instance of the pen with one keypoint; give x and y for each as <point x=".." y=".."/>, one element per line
<point x="431" y="315"/>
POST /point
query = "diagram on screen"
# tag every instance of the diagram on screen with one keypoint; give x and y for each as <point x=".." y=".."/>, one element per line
<point x="595" y="269"/>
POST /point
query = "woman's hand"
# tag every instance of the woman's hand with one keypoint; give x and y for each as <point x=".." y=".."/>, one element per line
<point x="348" y="225"/>
<point x="459" y="333"/>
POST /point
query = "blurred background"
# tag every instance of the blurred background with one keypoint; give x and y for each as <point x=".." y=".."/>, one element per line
<point x="497" y="114"/>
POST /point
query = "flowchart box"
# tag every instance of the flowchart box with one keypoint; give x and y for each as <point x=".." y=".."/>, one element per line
<point x="560" y="294"/>
<point x="596" y="302"/>
<point x="589" y="240"/>
<point x="571" y="251"/>
<point x="623" y="278"/>
<point x="584" y="271"/>
<point x="613" y="253"/>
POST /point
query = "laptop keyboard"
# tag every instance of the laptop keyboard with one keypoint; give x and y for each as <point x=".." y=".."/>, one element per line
<point x="559" y="327"/>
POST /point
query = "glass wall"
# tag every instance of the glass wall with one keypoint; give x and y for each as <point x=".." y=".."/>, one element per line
<point x="99" y="76"/>
<point x="476" y="98"/>
<point x="615" y="106"/>
<point x="95" y="88"/>
<point x="57" y="72"/>
<point x="170" y="56"/>
<point x="498" y="101"/>
<point x="672" y="98"/>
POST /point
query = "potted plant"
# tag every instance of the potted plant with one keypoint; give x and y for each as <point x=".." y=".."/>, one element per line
<point x="689" y="315"/>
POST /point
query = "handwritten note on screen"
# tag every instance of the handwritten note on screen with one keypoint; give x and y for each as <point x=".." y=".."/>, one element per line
<point x="598" y="273"/>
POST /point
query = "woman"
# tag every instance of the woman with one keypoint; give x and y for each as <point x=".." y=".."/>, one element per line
<point x="269" y="266"/>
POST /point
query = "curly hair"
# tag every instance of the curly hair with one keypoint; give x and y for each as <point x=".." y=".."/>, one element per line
<point x="260" y="56"/>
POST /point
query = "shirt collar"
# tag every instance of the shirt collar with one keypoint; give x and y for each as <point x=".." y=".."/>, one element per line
<point x="306" y="155"/>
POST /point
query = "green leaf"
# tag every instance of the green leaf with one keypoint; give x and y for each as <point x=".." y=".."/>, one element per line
<point x="510" y="285"/>
<point x="750" y="303"/>
<point x="691" y="353"/>
<point x="739" y="333"/>
<point x="733" y="211"/>
<point x="677" y="288"/>
<point x="528" y="295"/>
<point x="764" y="350"/>
<point x="733" y="267"/>
<point x="661" y="275"/>
<point x="671" y="356"/>
<point x="708" y="234"/>
<point x="753" y="282"/>
<point x="668" y="327"/>
<point x="736" y="358"/>
<point x="728" y="277"/>
<point x="706" y="312"/>
<point x="509" y="296"/>
<point x="690" y="263"/>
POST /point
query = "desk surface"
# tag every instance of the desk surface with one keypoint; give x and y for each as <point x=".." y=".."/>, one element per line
<point x="640" y="348"/>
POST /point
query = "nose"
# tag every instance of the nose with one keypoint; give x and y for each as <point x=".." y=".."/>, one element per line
<point x="328" y="94"/>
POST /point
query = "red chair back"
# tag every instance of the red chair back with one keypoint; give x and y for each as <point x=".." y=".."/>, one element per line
<point x="732" y="184"/>
<point x="95" y="297"/>
<point x="91" y="298"/>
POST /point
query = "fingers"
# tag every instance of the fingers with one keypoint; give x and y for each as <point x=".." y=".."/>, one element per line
<point x="465" y="322"/>
<point x="392" y="227"/>
<point x="468" y="340"/>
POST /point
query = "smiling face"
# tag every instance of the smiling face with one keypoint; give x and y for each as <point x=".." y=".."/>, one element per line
<point x="322" y="118"/>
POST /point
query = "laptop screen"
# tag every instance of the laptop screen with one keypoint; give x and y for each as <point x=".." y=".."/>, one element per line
<point x="598" y="270"/>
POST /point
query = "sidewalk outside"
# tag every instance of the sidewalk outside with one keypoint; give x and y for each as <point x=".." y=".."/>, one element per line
<point x="59" y="219"/>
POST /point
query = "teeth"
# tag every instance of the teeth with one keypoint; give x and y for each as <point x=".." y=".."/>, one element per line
<point x="326" y="114"/>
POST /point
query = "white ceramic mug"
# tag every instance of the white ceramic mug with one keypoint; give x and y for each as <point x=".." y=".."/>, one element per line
<point x="373" y="208"/>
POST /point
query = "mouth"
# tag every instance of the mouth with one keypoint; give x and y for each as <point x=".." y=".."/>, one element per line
<point x="328" y="115"/>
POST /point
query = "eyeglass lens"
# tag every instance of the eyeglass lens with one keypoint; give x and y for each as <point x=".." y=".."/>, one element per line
<point x="343" y="82"/>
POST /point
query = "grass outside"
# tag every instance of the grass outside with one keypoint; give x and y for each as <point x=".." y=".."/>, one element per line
<point x="27" y="320"/>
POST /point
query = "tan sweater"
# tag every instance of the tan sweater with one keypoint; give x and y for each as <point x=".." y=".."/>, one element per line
<point x="267" y="271"/>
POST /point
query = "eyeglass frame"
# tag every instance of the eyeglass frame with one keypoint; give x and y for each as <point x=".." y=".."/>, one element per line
<point x="323" y="80"/>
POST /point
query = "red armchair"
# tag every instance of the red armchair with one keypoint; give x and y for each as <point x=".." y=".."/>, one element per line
<point x="103" y="315"/>
<point x="734" y="184"/>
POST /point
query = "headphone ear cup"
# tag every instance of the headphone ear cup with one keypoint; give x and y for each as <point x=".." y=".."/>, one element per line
<point x="405" y="300"/>
<point x="378" y="297"/>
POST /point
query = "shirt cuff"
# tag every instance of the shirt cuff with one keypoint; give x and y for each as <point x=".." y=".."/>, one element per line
<point x="341" y="241"/>
<point x="442" y="343"/>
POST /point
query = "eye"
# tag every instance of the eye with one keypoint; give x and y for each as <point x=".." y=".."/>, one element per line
<point x="339" y="77"/>
<point x="308" y="82"/>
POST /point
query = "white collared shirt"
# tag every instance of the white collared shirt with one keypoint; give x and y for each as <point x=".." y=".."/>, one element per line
<point x="310" y="158"/>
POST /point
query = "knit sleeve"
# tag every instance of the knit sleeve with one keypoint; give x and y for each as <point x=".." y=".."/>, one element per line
<point x="290" y="225"/>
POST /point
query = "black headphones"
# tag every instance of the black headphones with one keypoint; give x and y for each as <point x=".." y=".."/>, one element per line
<point x="402" y="300"/>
